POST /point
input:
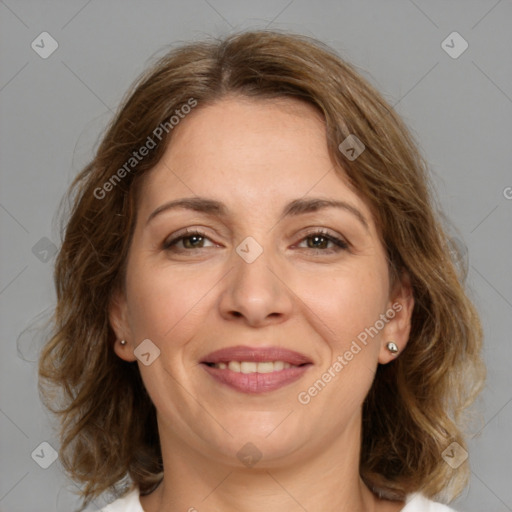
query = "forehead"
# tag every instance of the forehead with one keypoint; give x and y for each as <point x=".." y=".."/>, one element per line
<point x="250" y="133"/>
<point x="250" y="153"/>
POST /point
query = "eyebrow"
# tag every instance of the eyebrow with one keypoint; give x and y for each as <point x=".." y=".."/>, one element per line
<point x="294" y="208"/>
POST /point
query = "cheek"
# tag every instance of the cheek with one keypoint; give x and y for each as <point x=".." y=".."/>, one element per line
<point x="345" y="305"/>
<point x="164" y="303"/>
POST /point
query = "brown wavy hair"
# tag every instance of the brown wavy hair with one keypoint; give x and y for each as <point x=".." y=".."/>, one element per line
<point x="415" y="407"/>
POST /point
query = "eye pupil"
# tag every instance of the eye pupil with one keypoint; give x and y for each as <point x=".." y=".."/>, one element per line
<point x="190" y="241"/>
<point x="318" y="241"/>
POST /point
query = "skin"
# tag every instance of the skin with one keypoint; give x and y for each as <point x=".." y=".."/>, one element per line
<point x="193" y="299"/>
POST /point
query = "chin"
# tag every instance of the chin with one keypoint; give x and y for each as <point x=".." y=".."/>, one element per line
<point x="258" y="438"/>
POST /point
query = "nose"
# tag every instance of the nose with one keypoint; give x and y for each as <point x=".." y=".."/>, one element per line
<point x="256" y="293"/>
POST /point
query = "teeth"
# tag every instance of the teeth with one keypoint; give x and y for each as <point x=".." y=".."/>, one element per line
<point x="254" y="367"/>
<point x="247" y="367"/>
<point x="265" y="367"/>
<point x="234" y="366"/>
<point x="278" y="366"/>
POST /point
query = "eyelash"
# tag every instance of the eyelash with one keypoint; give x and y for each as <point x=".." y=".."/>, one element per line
<point x="338" y="242"/>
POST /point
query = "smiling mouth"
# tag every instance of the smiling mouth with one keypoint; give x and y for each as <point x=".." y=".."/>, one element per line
<point x="255" y="370"/>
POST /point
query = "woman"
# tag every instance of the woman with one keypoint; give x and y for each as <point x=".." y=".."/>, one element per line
<point x="257" y="309"/>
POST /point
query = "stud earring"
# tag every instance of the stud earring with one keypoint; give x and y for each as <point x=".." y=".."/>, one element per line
<point x="123" y="342"/>
<point x="391" y="346"/>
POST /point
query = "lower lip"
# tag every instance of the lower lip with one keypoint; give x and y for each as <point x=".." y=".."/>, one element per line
<point x="257" y="382"/>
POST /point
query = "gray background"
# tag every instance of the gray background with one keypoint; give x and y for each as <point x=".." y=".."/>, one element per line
<point x="53" y="110"/>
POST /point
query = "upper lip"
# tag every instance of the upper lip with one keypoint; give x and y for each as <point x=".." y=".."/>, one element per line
<point x="256" y="354"/>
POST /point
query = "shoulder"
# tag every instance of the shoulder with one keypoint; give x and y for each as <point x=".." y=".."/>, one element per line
<point x="128" y="503"/>
<point x="416" y="502"/>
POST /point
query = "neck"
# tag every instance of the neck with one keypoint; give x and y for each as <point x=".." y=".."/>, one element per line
<point x="326" y="479"/>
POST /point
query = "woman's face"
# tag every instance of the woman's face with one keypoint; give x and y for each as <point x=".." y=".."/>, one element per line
<point x="257" y="261"/>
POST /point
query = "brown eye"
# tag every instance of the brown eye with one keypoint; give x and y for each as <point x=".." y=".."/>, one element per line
<point x="192" y="241"/>
<point x="320" y="241"/>
<point x="188" y="241"/>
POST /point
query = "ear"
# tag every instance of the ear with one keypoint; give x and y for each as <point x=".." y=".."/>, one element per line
<point x="399" y="313"/>
<point x="118" y="318"/>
